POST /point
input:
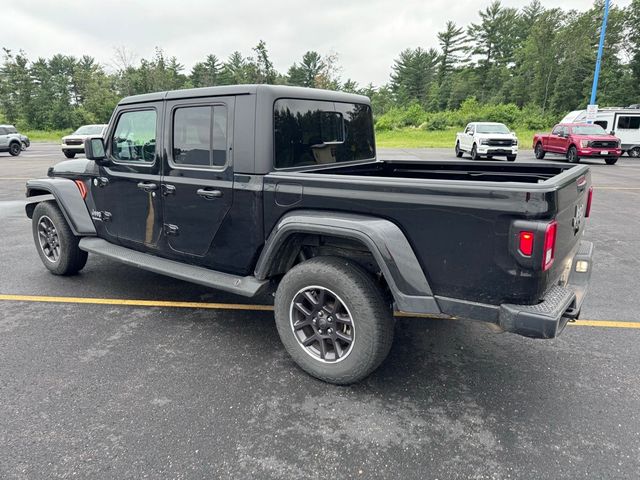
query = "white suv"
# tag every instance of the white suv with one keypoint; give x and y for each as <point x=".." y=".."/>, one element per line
<point x="74" y="143"/>
<point x="487" y="139"/>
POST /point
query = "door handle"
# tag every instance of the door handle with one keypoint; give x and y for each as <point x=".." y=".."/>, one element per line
<point x="168" y="189"/>
<point x="209" y="194"/>
<point x="147" y="187"/>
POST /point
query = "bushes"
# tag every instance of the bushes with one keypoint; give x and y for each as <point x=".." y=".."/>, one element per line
<point x="414" y="116"/>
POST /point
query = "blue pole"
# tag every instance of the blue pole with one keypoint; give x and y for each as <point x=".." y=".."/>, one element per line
<point x="596" y="74"/>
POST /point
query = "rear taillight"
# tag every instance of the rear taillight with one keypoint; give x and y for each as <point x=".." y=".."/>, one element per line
<point x="589" y="197"/>
<point x="82" y="187"/>
<point x="549" y="252"/>
<point x="526" y="243"/>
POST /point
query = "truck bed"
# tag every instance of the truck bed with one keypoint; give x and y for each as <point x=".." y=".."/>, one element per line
<point x="458" y="216"/>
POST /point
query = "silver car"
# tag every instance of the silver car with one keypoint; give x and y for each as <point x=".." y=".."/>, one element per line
<point x="11" y="141"/>
<point x="74" y="143"/>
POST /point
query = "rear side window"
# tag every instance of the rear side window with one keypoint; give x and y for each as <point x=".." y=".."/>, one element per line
<point x="200" y="136"/>
<point x="629" y="123"/>
<point x="310" y="132"/>
<point x="134" y="138"/>
<point x="3" y="131"/>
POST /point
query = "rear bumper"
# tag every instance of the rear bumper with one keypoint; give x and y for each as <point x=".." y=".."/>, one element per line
<point x="561" y="304"/>
<point x="546" y="319"/>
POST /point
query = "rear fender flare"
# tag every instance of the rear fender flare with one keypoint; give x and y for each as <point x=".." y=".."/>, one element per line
<point x="66" y="194"/>
<point x="384" y="239"/>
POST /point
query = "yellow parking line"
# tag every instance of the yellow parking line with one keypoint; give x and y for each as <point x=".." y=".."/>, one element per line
<point x="250" y="307"/>
<point x="605" y="324"/>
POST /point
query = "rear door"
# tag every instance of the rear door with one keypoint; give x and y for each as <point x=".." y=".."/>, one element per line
<point x="197" y="187"/>
<point x="4" y="138"/>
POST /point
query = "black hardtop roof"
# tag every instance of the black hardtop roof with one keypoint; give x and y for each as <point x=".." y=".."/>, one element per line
<point x="271" y="91"/>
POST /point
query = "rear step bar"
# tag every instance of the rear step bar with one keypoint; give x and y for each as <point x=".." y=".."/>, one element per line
<point x="246" y="286"/>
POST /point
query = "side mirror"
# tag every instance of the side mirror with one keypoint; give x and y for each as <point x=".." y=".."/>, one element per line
<point x="94" y="149"/>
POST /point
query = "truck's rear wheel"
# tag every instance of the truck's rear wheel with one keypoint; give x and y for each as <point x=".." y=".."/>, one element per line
<point x="458" y="151"/>
<point x="333" y="319"/>
<point x="511" y="158"/>
<point x="572" y="155"/>
<point x="539" y="151"/>
<point x="69" y="154"/>
<point x="55" y="242"/>
<point x="611" y="161"/>
<point x="634" y="152"/>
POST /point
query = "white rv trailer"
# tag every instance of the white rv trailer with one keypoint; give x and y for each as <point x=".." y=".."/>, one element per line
<point x="624" y="123"/>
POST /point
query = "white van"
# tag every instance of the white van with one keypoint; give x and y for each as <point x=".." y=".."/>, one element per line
<point x="624" y="123"/>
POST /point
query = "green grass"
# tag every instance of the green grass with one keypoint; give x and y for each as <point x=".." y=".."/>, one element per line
<point x="416" y="138"/>
<point x="45" y="135"/>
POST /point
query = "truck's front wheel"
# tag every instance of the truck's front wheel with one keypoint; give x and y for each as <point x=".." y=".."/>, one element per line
<point x="333" y="319"/>
<point x="539" y="151"/>
<point x="572" y="155"/>
<point x="458" y="151"/>
<point x="474" y="152"/>
<point x="55" y="242"/>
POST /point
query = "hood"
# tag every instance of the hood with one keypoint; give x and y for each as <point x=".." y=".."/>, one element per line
<point x="498" y="136"/>
<point x="76" y="137"/>
<point x="78" y="167"/>
<point x="605" y="137"/>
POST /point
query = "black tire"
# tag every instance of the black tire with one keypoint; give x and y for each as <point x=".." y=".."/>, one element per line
<point x="539" y="151"/>
<point x="511" y="158"/>
<point x="634" y="152"/>
<point x="572" y="155"/>
<point x="459" y="152"/>
<point x="474" y="153"/>
<point x="15" y="148"/>
<point x="69" y="154"/>
<point x="611" y="161"/>
<point x="489" y="157"/>
<point x="352" y="287"/>
<point x="59" y="238"/>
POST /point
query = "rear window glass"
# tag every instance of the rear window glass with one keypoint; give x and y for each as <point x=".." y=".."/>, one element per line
<point x="309" y="132"/>
<point x="200" y="136"/>
<point x="629" y="122"/>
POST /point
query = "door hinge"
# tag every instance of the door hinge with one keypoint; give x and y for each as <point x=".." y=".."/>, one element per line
<point x="171" y="229"/>
<point x="168" y="189"/>
<point x="100" y="181"/>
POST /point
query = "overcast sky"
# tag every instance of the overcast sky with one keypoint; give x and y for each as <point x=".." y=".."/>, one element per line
<point x="367" y="34"/>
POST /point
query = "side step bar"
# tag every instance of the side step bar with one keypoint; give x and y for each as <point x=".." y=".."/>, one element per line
<point x="246" y="286"/>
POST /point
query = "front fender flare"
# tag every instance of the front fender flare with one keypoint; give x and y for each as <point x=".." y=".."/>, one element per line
<point x="65" y="192"/>
<point x="384" y="239"/>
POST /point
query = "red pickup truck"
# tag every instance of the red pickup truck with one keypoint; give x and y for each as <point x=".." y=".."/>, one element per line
<point x="578" y="140"/>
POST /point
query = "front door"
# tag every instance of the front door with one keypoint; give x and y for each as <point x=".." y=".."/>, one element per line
<point x="197" y="187"/>
<point x="127" y="194"/>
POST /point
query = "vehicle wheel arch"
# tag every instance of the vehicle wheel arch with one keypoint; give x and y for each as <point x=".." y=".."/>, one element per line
<point x="64" y="192"/>
<point x="378" y="244"/>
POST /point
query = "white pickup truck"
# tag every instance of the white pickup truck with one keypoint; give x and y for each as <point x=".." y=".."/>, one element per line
<point x="487" y="139"/>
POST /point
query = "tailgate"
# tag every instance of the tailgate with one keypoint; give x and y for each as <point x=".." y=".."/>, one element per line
<point x="572" y="205"/>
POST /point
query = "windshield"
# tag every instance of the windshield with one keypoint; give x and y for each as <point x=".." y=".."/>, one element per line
<point x="497" y="128"/>
<point x="589" y="130"/>
<point x="311" y="132"/>
<point x="89" y="130"/>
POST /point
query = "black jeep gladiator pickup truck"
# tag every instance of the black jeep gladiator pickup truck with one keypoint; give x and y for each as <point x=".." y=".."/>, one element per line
<point x="257" y="189"/>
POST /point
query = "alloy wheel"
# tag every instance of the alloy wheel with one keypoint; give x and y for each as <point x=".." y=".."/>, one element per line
<point x="48" y="239"/>
<point x="322" y="324"/>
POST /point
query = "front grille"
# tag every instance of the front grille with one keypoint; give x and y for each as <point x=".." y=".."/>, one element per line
<point x="604" y="144"/>
<point x="73" y="142"/>
<point x="495" y="142"/>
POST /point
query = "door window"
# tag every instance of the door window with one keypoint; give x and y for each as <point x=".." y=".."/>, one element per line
<point x="134" y="139"/>
<point x="557" y="131"/>
<point x="200" y="136"/>
<point x="629" y="122"/>
<point x="602" y="123"/>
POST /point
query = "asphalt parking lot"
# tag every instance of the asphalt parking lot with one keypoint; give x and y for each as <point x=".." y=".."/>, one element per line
<point x="121" y="373"/>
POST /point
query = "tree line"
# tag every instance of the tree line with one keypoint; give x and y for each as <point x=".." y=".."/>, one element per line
<point x="535" y="59"/>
